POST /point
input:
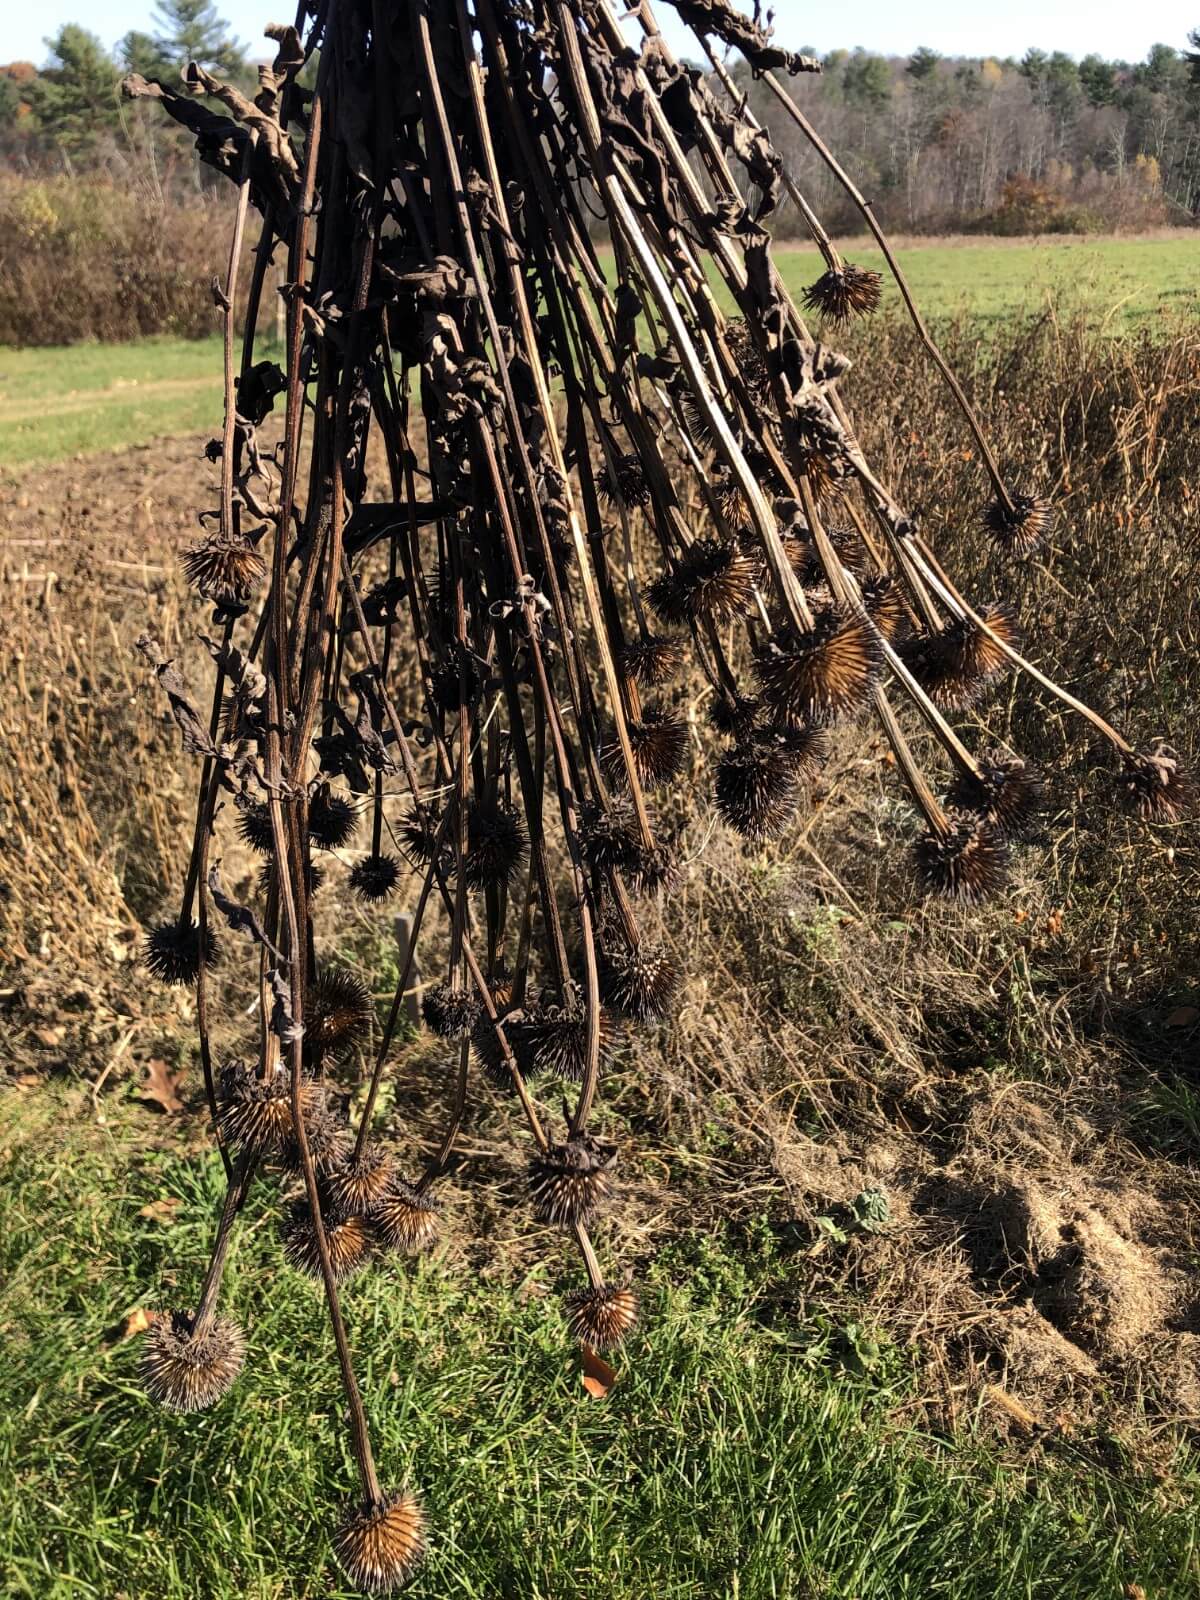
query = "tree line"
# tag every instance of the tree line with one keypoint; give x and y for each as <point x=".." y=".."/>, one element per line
<point x="1044" y="143"/>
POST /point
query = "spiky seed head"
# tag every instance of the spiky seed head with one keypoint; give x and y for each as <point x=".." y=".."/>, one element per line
<point x="640" y="983"/>
<point x="173" y="951"/>
<point x="569" y="1182"/>
<point x="374" y="878"/>
<point x="845" y="292"/>
<point x="826" y="672"/>
<point x="733" y="714"/>
<point x="449" y="1012"/>
<point x="417" y="842"/>
<point x="653" y="661"/>
<point x="256" y="1113"/>
<point x="966" y="862"/>
<point x="188" y="1371"/>
<point x="749" y="358"/>
<point x="521" y="1030"/>
<point x="659" y="744"/>
<point x="801" y="551"/>
<point x="808" y="749"/>
<point x="332" y="818"/>
<point x="990" y="659"/>
<point x="1156" y="786"/>
<point x="611" y="842"/>
<point x="404" y="1218"/>
<point x="557" y="1039"/>
<point x="314" y="877"/>
<point x="455" y="677"/>
<point x="327" y="1134"/>
<point x="1023" y="529"/>
<point x="957" y="665"/>
<point x="497" y="846"/>
<point x="381" y="1544"/>
<point x="254" y="827"/>
<point x="885" y="605"/>
<point x="225" y="571"/>
<point x="1006" y="791"/>
<point x="727" y="492"/>
<point x="340" y="1013"/>
<point x="357" y="1184"/>
<point x="625" y="480"/>
<point x="348" y="1239"/>
<point x="602" y="1317"/>
<point x="756" y="790"/>
<point x="713" y="579"/>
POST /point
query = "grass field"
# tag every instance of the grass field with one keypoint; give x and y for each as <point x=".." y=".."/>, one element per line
<point x="746" y="1452"/>
<point x="58" y="403"/>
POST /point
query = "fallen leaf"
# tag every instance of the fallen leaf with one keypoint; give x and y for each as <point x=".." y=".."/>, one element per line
<point x="50" y="1037"/>
<point x="29" y="1080"/>
<point x="160" y="1086"/>
<point x="598" y="1376"/>
<point x="161" y="1210"/>
<point x="136" y="1322"/>
<point x="1183" y="1017"/>
<point x="1134" y="1591"/>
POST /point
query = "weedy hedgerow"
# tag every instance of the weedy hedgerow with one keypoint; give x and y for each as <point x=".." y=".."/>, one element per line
<point x="470" y="640"/>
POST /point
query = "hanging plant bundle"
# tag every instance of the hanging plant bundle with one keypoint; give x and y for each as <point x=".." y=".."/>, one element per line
<point x="506" y="379"/>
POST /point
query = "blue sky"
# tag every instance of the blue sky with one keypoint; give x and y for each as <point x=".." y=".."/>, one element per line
<point x="954" y="27"/>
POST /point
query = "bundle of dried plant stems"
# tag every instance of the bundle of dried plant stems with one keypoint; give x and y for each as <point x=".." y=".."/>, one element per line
<point x="462" y="660"/>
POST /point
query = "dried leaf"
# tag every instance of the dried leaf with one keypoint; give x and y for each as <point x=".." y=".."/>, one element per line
<point x="161" y="1210"/>
<point x="598" y="1376"/>
<point x="161" y="1085"/>
<point x="1183" y="1017"/>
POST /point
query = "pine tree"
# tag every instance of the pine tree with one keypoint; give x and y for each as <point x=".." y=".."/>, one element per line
<point x="192" y="30"/>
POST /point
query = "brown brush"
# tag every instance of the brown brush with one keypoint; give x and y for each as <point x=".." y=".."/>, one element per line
<point x="256" y="1113"/>
<point x="380" y="1544"/>
<point x="348" y="1239"/>
<point x="626" y="481"/>
<point x="845" y="292"/>
<point x="756" y="790"/>
<point x="497" y="846"/>
<point x="568" y="1183"/>
<point x="332" y="818"/>
<point x="375" y="878"/>
<point x="357" y="1184"/>
<point x="602" y="1317"/>
<point x="652" y="662"/>
<point x="173" y="950"/>
<point x="884" y="604"/>
<point x="341" y="1013"/>
<point x="449" y="1012"/>
<point x="966" y="862"/>
<point x="823" y="674"/>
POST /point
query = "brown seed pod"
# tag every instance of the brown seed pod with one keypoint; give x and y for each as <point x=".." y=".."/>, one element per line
<point x="1022" y="530"/>
<point x="845" y="292"/>
<point x="640" y="983"/>
<point x="340" y="1013"/>
<point x="225" y="571"/>
<point x="185" y="1371"/>
<point x="521" y="1027"/>
<point x="733" y="714"/>
<point x="357" y="1184"/>
<point x="885" y="605"/>
<point x="569" y="1182"/>
<point x="749" y="360"/>
<point x="652" y="662"/>
<point x="254" y="827"/>
<point x="625" y="480"/>
<point x="327" y="1134"/>
<point x="969" y="862"/>
<point x="1006" y="791"/>
<point x="806" y="748"/>
<point x="1155" y="786"/>
<point x="404" y="1218"/>
<point x="756" y="789"/>
<point x="374" y="878"/>
<point x="602" y="1317"/>
<point x="801" y="551"/>
<point x="557" y="1038"/>
<point x="956" y="666"/>
<point x="173" y="950"/>
<point x="449" y="1012"/>
<point x="348" y="1239"/>
<point x="727" y="492"/>
<point x="416" y="841"/>
<point x="256" y="1113"/>
<point x="497" y="846"/>
<point x="714" y="579"/>
<point x="824" y="673"/>
<point x="659" y="745"/>
<point x="381" y="1544"/>
<point x="332" y="818"/>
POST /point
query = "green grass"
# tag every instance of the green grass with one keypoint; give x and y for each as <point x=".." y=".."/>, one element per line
<point x="739" y="1455"/>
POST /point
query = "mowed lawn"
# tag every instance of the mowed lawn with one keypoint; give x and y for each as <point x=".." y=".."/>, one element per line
<point x="749" y="1450"/>
<point x="59" y="403"/>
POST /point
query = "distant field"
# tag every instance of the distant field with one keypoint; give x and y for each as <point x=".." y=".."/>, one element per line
<point x="58" y="403"/>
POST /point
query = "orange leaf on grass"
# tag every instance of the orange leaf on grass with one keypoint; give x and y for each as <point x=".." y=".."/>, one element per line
<point x="598" y="1376"/>
<point x="161" y="1086"/>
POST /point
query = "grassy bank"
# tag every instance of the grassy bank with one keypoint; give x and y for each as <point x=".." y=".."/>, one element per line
<point x="748" y="1450"/>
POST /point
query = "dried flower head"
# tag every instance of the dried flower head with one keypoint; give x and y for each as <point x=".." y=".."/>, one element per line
<point x="339" y="1015"/>
<point x="1006" y="791"/>
<point x="824" y="673"/>
<point x="1019" y="530"/>
<point x="254" y="826"/>
<point x="733" y="714"/>
<point x="967" y="861"/>
<point x="357" y="1184"/>
<point x="449" y="1012"/>
<point x="885" y="605"/>
<point x="327" y="1136"/>
<point x="958" y="664"/>
<point x="557" y="1037"/>
<point x="569" y="1182"/>
<point x="1155" y="786"/>
<point x="381" y="1544"/>
<point x="653" y="661"/>
<point x="256" y="1113"/>
<point x="845" y="292"/>
<point x="188" y="1371"/>
<point x="638" y="982"/>
<point x="374" y="878"/>
<point x="713" y="579"/>
<point x="749" y="360"/>
<point x="659" y="744"/>
<point x="625" y="480"/>
<point x="756" y="789"/>
<point x="602" y="1317"/>
<point x="332" y="818"/>
<point x="497" y="846"/>
<point x="225" y="571"/>
<point x="348" y="1240"/>
<point x="173" y="950"/>
<point x="404" y="1218"/>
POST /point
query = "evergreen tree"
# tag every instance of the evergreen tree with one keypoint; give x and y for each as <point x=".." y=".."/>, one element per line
<point x="75" y="98"/>
<point x="192" y="30"/>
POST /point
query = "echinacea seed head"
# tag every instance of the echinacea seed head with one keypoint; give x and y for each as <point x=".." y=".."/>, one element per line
<point x="1022" y="528"/>
<point x="339" y="1014"/>
<point x="374" y="878"/>
<point x="967" y="861"/>
<point x="497" y="846"/>
<point x="638" y="982"/>
<point x="1005" y="790"/>
<point x="404" y="1218"/>
<point x="713" y="579"/>
<point x="653" y="661"/>
<point x="348" y="1240"/>
<point x="326" y="1134"/>
<point x="659" y="744"/>
<point x="884" y="604"/>
<point x="314" y="877"/>
<point x="602" y="1317"/>
<point x="569" y="1182"/>
<point x="256" y="1113"/>
<point x="756" y="790"/>
<point x="733" y="714"/>
<point x="449" y="1012"/>
<point x="225" y="571"/>
<point x="1156" y="786"/>
<point x="173" y="952"/>
<point x="188" y="1371"/>
<point x="625" y="480"/>
<point x="381" y="1544"/>
<point x="332" y="818"/>
<point x="254" y="826"/>
<point x="823" y="673"/>
<point x="845" y="292"/>
<point x="358" y="1183"/>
